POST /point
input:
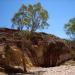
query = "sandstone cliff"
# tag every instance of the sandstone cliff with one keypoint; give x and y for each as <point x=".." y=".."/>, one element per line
<point x="39" y="49"/>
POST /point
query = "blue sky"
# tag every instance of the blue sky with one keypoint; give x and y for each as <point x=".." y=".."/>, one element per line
<point x="60" y="11"/>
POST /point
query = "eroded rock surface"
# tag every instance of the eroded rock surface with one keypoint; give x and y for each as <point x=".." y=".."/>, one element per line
<point x="41" y="49"/>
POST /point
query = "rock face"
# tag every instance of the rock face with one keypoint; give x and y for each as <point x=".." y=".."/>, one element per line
<point x="50" y="50"/>
<point x="41" y="49"/>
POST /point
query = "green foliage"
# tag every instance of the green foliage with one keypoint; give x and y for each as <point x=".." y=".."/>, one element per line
<point x="32" y="17"/>
<point x="70" y="28"/>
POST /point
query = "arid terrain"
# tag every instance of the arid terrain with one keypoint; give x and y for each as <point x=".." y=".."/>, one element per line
<point x="40" y="54"/>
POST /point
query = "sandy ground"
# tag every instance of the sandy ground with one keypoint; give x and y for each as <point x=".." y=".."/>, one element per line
<point x="61" y="70"/>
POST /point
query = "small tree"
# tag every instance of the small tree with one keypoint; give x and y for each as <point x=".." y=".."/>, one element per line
<point x="70" y="28"/>
<point x="31" y="17"/>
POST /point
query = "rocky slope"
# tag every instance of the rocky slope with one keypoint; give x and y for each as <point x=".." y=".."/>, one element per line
<point x="39" y="49"/>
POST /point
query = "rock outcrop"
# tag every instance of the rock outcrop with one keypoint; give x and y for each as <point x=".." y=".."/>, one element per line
<point x="40" y="49"/>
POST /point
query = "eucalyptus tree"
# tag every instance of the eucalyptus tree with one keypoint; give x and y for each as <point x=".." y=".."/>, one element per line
<point x="32" y="17"/>
<point x="70" y="28"/>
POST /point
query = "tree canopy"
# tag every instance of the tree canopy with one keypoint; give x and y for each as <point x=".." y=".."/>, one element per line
<point x="32" y="17"/>
<point x="70" y="28"/>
